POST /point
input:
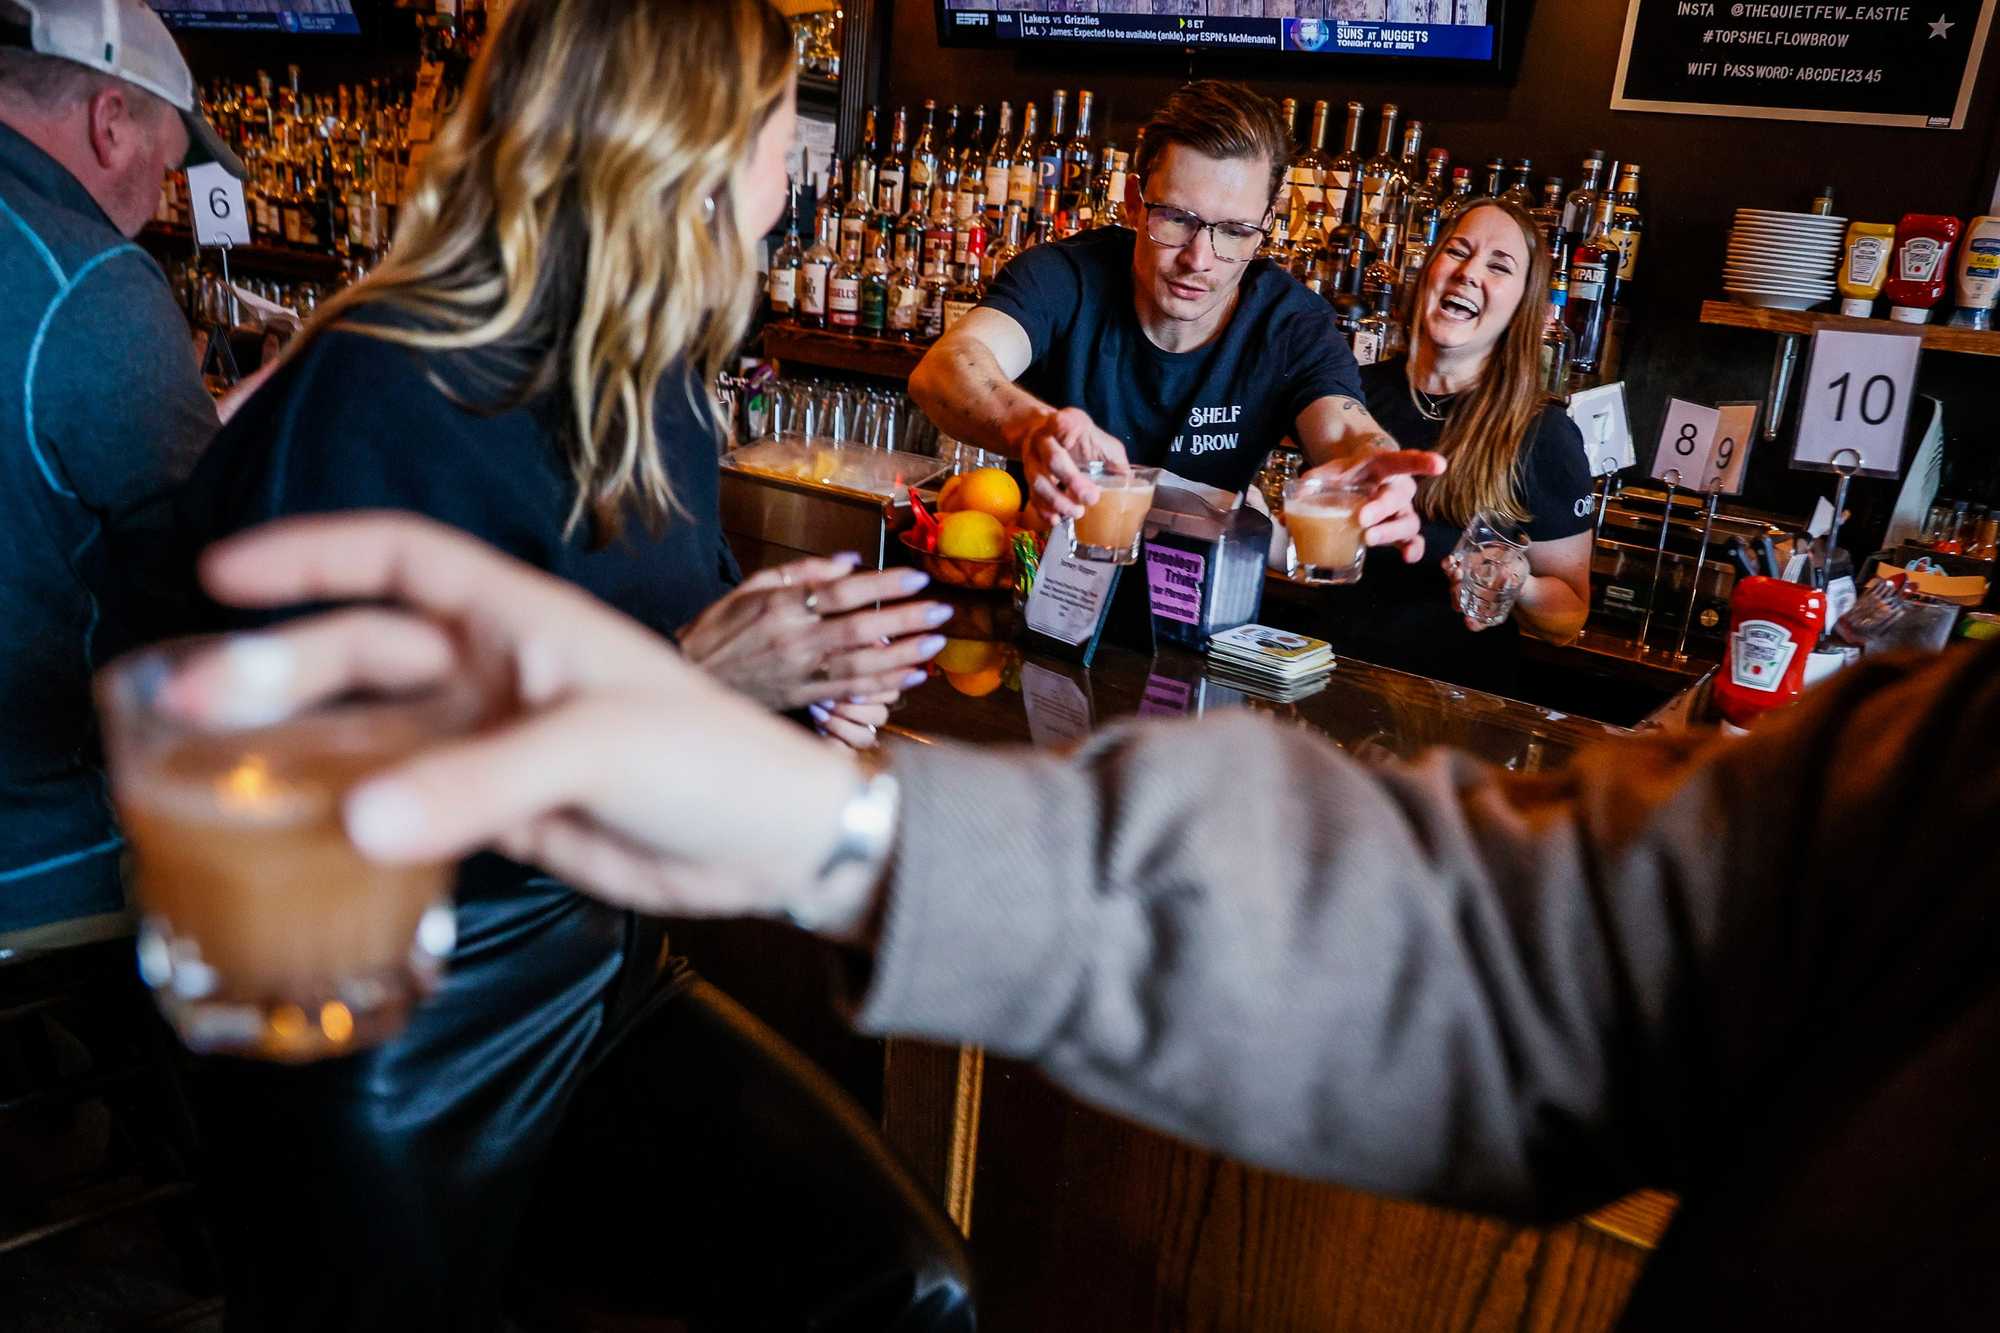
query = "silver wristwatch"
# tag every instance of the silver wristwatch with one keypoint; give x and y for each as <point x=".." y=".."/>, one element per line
<point x="867" y="833"/>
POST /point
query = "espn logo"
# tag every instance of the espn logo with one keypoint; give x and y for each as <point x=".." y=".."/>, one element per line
<point x="974" y="20"/>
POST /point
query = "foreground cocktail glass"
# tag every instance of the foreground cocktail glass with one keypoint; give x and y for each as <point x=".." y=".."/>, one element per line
<point x="1110" y="530"/>
<point x="1323" y="517"/>
<point x="265" y="933"/>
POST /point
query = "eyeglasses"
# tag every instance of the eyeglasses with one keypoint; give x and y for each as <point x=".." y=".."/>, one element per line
<point x="1233" y="242"/>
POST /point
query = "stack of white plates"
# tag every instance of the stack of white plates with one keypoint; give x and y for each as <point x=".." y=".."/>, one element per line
<point x="1782" y="261"/>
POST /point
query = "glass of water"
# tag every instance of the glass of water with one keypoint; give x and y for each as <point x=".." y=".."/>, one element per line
<point x="1492" y="561"/>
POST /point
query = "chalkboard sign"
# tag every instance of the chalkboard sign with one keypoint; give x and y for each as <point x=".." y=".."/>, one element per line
<point x="1830" y="60"/>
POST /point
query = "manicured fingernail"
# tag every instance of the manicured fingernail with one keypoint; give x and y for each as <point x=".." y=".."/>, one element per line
<point x="848" y="558"/>
<point x="915" y="580"/>
<point x="938" y="614"/>
<point x="860" y="701"/>
<point x="826" y="704"/>
<point x="931" y="645"/>
<point x="915" y="678"/>
<point x="819" y="714"/>
<point x="384" y="819"/>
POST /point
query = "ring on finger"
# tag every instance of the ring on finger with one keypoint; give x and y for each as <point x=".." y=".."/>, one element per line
<point x="812" y="602"/>
<point x="784" y="578"/>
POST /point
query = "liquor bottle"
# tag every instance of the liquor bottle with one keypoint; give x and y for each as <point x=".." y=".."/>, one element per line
<point x="913" y="228"/>
<point x="1021" y="175"/>
<point x="1309" y="254"/>
<point x="1309" y="170"/>
<point x="843" y="296"/>
<point x="1277" y="247"/>
<point x="1350" y="249"/>
<point x="1423" y="206"/>
<point x="1096" y="203"/>
<point x="1344" y="171"/>
<point x="1077" y="157"/>
<point x="970" y="202"/>
<point x="1111" y="210"/>
<point x="894" y="172"/>
<point x="1412" y="164"/>
<point x="999" y="163"/>
<point x="970" y="289"/>
<point x="1370" y="340"/>
<point x="906" y="301"/>
<point x="944" y="178"/>
<point x="861" y="174"/>
<point x="1049" y="156"/>
<point x="940" y="237"/>
<point x="1521" y="189"/>
<point x="1382" y="178"/>
<point x="1582" y="201"/>
<point x="874" y="292"/>
<point x="784" y="283"/>
<point x="1590" y="269"/>
<point x="1461" y="192"/>
<point x="1011" y="230"/>
<point x="854" y="219"/>
<point x="1384" y="272"/>
<point x="930" y="322"/>
<point x="1548" y="214"/>
<point x="1496" y="174"/>
<point x="1628" y="225"/>
<point x="816" y="269"/>
<point x="1282" y="205"/>
<point x="1556" y="340"/>
<point x="924" y="157"/>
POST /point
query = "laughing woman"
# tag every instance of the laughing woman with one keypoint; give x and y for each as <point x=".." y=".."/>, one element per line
<point x="1471" y="390"/>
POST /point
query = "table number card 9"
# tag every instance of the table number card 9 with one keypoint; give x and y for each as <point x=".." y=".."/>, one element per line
<point x="216" y="200"/>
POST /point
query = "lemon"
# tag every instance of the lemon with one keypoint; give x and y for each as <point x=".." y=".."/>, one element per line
<point x="990" y="490"/>
<point x="971" y="535"/>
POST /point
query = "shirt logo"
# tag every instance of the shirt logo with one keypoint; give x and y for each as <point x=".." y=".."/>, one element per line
<point x="1583" y="507"/>
<point x="1209" y="443"/>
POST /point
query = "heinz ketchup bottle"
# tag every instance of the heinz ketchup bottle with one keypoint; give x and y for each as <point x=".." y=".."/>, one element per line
<point x="1773" y="628"/>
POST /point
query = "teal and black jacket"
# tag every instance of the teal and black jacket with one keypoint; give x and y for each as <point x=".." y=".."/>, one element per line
<point x="102" y="414"/>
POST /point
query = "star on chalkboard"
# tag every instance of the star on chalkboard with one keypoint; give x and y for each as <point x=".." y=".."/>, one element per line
<point x="1943" y="27"/>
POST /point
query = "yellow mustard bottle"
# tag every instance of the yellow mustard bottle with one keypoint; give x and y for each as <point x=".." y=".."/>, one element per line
<point x="1864" y="265"/>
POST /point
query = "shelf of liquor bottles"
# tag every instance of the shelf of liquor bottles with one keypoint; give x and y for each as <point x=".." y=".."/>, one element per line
<point x="170" y="240"/>
<point x="1937" y="337"/>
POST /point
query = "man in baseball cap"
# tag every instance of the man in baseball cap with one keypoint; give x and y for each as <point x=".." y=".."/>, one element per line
<point x="102" y="415"/>
<point x="127" y="40"/>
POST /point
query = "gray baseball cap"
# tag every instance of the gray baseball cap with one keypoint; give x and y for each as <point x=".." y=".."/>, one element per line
<point x="127" y="40"/>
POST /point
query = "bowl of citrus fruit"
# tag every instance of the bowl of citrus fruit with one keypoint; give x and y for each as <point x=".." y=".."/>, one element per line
<point x="968" y="543"/>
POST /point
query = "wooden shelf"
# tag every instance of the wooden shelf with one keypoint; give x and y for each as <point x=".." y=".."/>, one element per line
<point x="822" y="94"/>
<point x="882" y="358"/>
<point x="1937" y="337"/>
<point x="278" y="261"/>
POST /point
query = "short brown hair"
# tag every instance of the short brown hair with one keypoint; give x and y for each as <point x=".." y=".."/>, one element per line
<point x="1222" y="120"/>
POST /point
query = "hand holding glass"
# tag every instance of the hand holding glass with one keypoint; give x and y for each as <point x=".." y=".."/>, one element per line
<point x="265" y="933"/>
<point x="1491" y="559"/>
<point x="1111" y="531"/>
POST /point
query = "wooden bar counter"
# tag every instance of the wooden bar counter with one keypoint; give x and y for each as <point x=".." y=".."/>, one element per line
<point x="1082" y="1221"/>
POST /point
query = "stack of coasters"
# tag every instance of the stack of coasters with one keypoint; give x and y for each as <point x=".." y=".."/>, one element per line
<point x="1270" y="663"/>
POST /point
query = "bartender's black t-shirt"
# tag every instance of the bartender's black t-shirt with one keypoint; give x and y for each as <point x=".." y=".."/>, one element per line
<point x="1402" y="615"/>
<point x="1210" y="415"/>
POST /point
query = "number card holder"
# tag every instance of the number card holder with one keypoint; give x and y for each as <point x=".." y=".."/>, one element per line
<point x="216" y="200"/>
<point x="1858" y="392"/>
<point x="1687" y="443"/>
<point x="1729" y="460"/>
<point x="1600" y="415"/>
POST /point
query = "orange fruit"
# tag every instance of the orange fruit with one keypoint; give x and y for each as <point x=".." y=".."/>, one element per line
<point x="948" y="500"/>
<point x="963" y="656"/>
<point x="971" y="535"/>
<point x="975" y="684"/>
<point x="990" y="490"/>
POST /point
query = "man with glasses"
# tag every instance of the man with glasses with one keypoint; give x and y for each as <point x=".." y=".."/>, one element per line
<point x="1172" y="345"/>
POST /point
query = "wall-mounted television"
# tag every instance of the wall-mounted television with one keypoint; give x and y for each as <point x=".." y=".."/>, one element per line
<point x="302" y="16"/>
<point x="1462" y="34"/>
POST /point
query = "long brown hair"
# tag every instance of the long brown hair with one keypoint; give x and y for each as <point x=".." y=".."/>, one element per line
<point x="574" y="218"/>
<point x="1489" y="423"/>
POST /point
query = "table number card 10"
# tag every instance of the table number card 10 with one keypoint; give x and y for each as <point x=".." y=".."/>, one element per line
<point x="1857" y="401"/>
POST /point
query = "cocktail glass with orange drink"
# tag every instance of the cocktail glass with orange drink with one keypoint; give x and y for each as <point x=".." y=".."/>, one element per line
<point x="264" y="932"/>
<point x="1323" y="517"/>
<point x="1110" y="531"/>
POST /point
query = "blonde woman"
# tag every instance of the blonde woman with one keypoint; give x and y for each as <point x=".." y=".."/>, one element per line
<point x="575" y="265"/>
<point x="1471" y="390"/>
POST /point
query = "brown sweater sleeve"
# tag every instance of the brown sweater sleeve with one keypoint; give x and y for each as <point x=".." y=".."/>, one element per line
<point x="1440" y="980"/>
